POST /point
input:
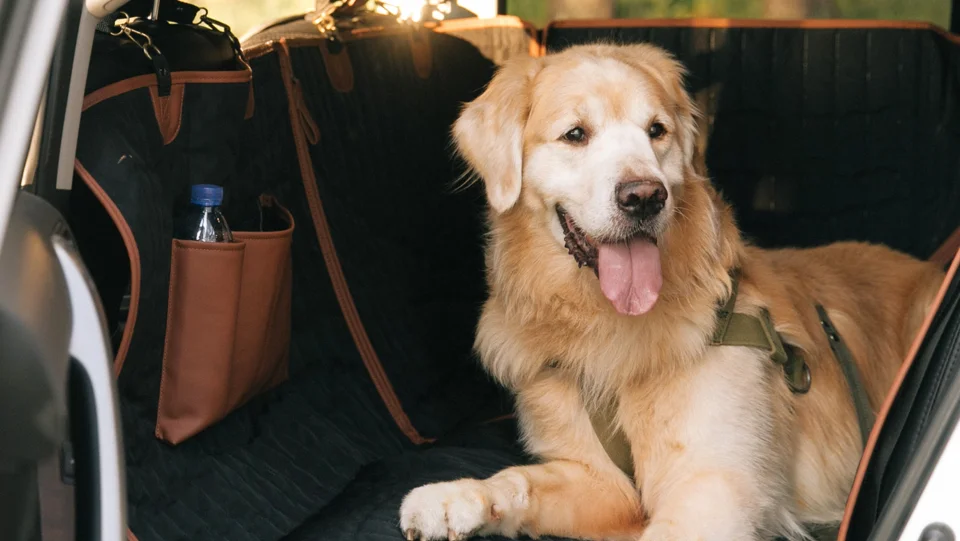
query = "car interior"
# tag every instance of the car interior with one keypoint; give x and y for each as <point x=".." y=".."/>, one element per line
<point x="297" y="383"/>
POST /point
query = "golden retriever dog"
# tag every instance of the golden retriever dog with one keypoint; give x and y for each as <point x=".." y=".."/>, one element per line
<point x="609" y="254"/>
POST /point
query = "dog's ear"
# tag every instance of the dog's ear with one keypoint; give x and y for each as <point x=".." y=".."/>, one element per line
<point x="489" y="132"/>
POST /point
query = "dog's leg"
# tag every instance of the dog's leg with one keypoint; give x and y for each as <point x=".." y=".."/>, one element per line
<point x="711" y="470"/>
<point x="577" y="492"/>
<point x="710" y="506"/>
<point x="556" y="498"/>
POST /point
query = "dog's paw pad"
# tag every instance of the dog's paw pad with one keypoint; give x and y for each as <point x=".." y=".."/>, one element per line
<point x="446" y="511"/>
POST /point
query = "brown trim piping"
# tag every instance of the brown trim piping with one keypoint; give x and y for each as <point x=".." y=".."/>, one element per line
<point x="177" y="77"/>
<point x="130" y="536"/>
<point x="251" y="103"/>
<point x="133" y="253"/>
<point x="891" y="395"/>
<point x="258" y="50"/>
<point x="332" y="261"/>
<point x="947" y="250"/>
<point x="500" y="418"/>
<point x="169" y="111"/>
<point x="338" y="66"/>
<point x="272" y="203"/>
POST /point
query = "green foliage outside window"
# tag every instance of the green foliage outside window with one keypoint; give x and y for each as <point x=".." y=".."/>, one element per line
<point x="540" y="12"/>
<point x="242" y="15"/>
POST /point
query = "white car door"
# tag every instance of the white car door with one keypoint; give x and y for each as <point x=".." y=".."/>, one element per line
<point x="57" y="393"/>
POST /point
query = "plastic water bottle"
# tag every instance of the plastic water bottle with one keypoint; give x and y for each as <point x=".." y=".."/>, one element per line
<point x="203" y="220"/>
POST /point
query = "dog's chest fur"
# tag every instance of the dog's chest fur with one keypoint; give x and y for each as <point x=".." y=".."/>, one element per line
<point x="614" y="351"/>
<point x="718" y="414"/>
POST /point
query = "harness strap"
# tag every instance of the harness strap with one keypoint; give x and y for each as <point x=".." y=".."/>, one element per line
<point x="865" y="415"/>
<point x="612" y="438"/>
<point x="736" y="329"/>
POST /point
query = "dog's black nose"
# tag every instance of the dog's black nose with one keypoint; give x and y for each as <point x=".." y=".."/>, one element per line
<point x="641" y="199"/>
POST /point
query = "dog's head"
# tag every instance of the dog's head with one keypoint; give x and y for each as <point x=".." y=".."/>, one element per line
<point x="599" y="139"/>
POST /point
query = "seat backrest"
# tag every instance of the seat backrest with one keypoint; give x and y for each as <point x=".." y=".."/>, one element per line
<point x="403" y="246"/>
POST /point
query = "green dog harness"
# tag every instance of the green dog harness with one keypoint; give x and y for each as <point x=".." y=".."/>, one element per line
<point x="738" y="329"/>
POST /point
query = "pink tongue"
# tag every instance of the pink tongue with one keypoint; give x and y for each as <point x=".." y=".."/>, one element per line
<point x="630" y="275"/>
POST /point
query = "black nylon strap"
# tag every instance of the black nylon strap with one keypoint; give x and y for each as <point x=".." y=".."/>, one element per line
<point x="865" y="415"/>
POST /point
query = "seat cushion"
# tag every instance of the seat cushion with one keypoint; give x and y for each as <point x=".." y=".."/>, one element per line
<point x="369" y="507"/>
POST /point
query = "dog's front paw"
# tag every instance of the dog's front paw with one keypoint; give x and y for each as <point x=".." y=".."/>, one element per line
<point x="452" y="511"/>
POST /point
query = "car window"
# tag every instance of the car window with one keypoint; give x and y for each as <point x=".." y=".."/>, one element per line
<point x="540" y="12"/>
<point x="244" y="15"/>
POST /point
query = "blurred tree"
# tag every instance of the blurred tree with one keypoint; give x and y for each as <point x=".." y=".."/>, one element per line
<point x="935" y="11"/>
<point x="580" y="9"/>
<point x="785" y="9"/>
<point x="242" y="15"/>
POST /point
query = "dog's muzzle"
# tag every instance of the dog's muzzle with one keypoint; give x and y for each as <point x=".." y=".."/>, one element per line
<point x="641" y="199"/>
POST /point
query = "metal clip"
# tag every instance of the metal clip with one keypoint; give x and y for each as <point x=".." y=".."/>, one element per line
<point x="327" y="17"/>
<point x="324" y="20"/>
<point x="430" y="9"/>
<point x="144" y="42"/>
<point x="153" y="54"/>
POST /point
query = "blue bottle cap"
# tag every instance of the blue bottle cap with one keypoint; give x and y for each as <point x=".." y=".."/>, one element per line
<point x="206" y="195"/>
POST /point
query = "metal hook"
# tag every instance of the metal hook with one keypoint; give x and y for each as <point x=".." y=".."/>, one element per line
<point x="145" y="42"/>
<point x="119" y="29"/>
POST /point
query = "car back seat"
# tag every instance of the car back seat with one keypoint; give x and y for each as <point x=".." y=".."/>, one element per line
<point x="353" y="138"/>
<point x="374" y="121"/>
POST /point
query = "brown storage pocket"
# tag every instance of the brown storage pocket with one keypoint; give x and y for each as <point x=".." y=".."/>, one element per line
<point x="228" y="326"/>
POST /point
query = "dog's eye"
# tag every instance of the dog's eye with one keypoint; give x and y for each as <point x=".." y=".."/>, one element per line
<point x="656" y="130"/>
<point x="576" y="135"/>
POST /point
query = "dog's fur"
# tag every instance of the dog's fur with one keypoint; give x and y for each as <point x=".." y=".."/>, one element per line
<point x="722" y="449"/>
